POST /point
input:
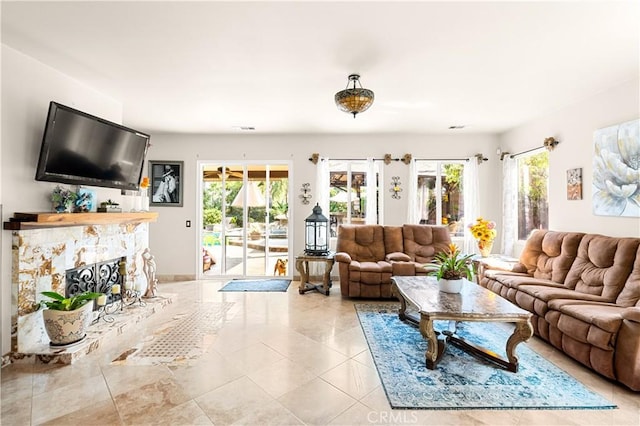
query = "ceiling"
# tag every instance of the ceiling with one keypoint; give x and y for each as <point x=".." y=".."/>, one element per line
<point x="216" y="67"/>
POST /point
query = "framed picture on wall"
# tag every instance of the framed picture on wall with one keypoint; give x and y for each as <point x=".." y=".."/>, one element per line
<point x="615" y="165"/>
<point x="574" y="184"/>
<point x="166" y="183"/>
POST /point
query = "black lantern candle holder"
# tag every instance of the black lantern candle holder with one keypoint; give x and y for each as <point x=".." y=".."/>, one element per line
<point x="316" y="236"/>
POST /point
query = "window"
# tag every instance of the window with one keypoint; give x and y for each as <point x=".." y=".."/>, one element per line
<point x="440" y="194"/>
<point x="348" y="201"/>
<point x="533" y="184"/>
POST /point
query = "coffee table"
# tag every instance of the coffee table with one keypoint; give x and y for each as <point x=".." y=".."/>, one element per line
<point x="474" y="303"/>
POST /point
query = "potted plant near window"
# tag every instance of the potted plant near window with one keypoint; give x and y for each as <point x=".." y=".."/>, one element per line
<point x="66" y="319"/>
<point x="450" y="267"/>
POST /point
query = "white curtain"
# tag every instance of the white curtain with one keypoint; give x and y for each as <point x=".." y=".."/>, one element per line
<point x="471" y="193"/>
<point x="322" y="185"/>
<point x="322" y="198"/>
<point x="370" y="212"/>
<point x="509" y="204"/>
<point x="412" y="207"/>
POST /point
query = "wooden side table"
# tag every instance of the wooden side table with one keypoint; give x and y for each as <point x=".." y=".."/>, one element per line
<point x="302" y="265"/>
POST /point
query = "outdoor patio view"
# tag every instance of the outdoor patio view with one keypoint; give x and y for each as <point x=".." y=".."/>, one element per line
<point x="245" y="220"/>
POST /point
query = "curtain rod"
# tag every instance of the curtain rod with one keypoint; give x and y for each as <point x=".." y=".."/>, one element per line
<point x="359" y="159"/>
<point x="549" y="144"/>
<point x="525" y="152"/>
<point x="479" y="157"/>
<point x="406" y="159"/>
<point x="442" y="159"/>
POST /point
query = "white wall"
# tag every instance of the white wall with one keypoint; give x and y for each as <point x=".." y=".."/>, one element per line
<point x="170" y="233"/>
<point x="573" y="126"/>
<point x="27" y="88"/>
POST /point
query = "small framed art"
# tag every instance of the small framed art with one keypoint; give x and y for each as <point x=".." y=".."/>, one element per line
<point x="574" y="184"/>
<point x="166" y="183"/>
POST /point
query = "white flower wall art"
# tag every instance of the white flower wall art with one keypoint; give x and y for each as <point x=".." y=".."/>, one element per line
<point x="616" y="170"/>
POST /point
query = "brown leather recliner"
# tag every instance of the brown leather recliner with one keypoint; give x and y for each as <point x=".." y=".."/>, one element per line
<point x="368" y="255"/>
<point x="584" y="293"/>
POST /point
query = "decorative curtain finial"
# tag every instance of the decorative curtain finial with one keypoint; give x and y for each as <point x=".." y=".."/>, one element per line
<point x="480" y="158"/>
<point x="550" y="143"/>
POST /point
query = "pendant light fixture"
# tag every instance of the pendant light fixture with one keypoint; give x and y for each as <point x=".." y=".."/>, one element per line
<point x="356" y="99"/>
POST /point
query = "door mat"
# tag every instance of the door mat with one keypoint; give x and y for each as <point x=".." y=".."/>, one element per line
<point x="257" y="285"/>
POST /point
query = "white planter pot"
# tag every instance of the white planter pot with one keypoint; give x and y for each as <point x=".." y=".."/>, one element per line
<point x="450" y="286"/>
<point x="66" y="327"/>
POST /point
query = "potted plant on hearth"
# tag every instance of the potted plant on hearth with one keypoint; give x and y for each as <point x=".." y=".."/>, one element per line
<point x="450" y="267"/>
<point x="66" y="319"/>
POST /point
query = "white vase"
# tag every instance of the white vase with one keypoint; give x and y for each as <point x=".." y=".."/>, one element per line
<point x="145" y="201"/>
<point x="450" y="286"/>
<point x="66" y="327"/>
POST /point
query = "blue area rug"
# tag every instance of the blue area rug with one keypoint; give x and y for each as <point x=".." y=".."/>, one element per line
<point x="257" y="285"/>
<point x="460" y="380"/>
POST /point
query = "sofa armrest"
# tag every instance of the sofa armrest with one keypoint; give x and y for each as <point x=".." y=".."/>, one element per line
<point x="342" y="257"/>
<point x="632" y="314"/>
<point x="502" y="264"/>
<point x="397" y="257"/>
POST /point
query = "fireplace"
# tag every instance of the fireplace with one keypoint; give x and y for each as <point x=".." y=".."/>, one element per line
<point x="70" y="259"/>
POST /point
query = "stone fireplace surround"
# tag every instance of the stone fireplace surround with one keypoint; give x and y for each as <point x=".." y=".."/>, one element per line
<point x="42" y="254"/>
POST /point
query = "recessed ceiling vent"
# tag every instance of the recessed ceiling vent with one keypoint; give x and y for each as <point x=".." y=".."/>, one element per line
<point x="244" y="128"/>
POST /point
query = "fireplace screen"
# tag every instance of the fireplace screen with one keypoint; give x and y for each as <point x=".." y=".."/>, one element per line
<point x="98" y="277"/>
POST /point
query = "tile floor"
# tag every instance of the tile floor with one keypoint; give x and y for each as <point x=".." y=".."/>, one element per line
<point x="261" y="358"/>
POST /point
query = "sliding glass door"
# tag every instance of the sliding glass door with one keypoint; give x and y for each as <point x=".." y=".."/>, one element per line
<point x="245" y="227"/>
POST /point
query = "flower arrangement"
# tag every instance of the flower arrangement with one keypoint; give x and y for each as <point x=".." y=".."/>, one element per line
<point x="484" y="231"/>
<point x="63" y="198"/>
<point x="450" y="264"/>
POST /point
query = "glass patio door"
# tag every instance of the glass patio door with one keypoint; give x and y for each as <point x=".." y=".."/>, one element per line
<point x="245" y="225"/>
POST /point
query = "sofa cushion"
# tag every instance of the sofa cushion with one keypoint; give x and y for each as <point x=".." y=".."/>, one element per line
<point x="515" y="280"/>
<point x="602" y="265"/>
<point x="370" y="273"/>
<point x="362" y="243"/>
<point x="549" y="254"/>
<point x="535" y="298"/>
<point x="630" y="294"/>
<point x="397" y="257"/>
<point x="422" y="242"/>
<point x="380" y="266"/>
<point x="393" y="239"/>
<point x="593" y="323"/>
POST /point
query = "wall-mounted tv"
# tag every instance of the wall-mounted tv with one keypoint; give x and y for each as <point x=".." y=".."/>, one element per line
<point x="81" y="149"/>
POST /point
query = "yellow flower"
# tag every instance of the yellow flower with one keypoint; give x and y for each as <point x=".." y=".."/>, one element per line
<point x="483" y="230"/>
<point x="453" y="248"/>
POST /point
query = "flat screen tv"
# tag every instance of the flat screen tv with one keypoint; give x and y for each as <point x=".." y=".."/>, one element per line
<point x="81" y="149"/>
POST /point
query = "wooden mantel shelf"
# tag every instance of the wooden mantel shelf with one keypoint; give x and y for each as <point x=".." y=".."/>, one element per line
<point x="22" y="221"/>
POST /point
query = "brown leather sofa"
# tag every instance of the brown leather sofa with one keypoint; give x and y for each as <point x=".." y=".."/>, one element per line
<point x="584" y="293"/>
<point x="368" y="255"/>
